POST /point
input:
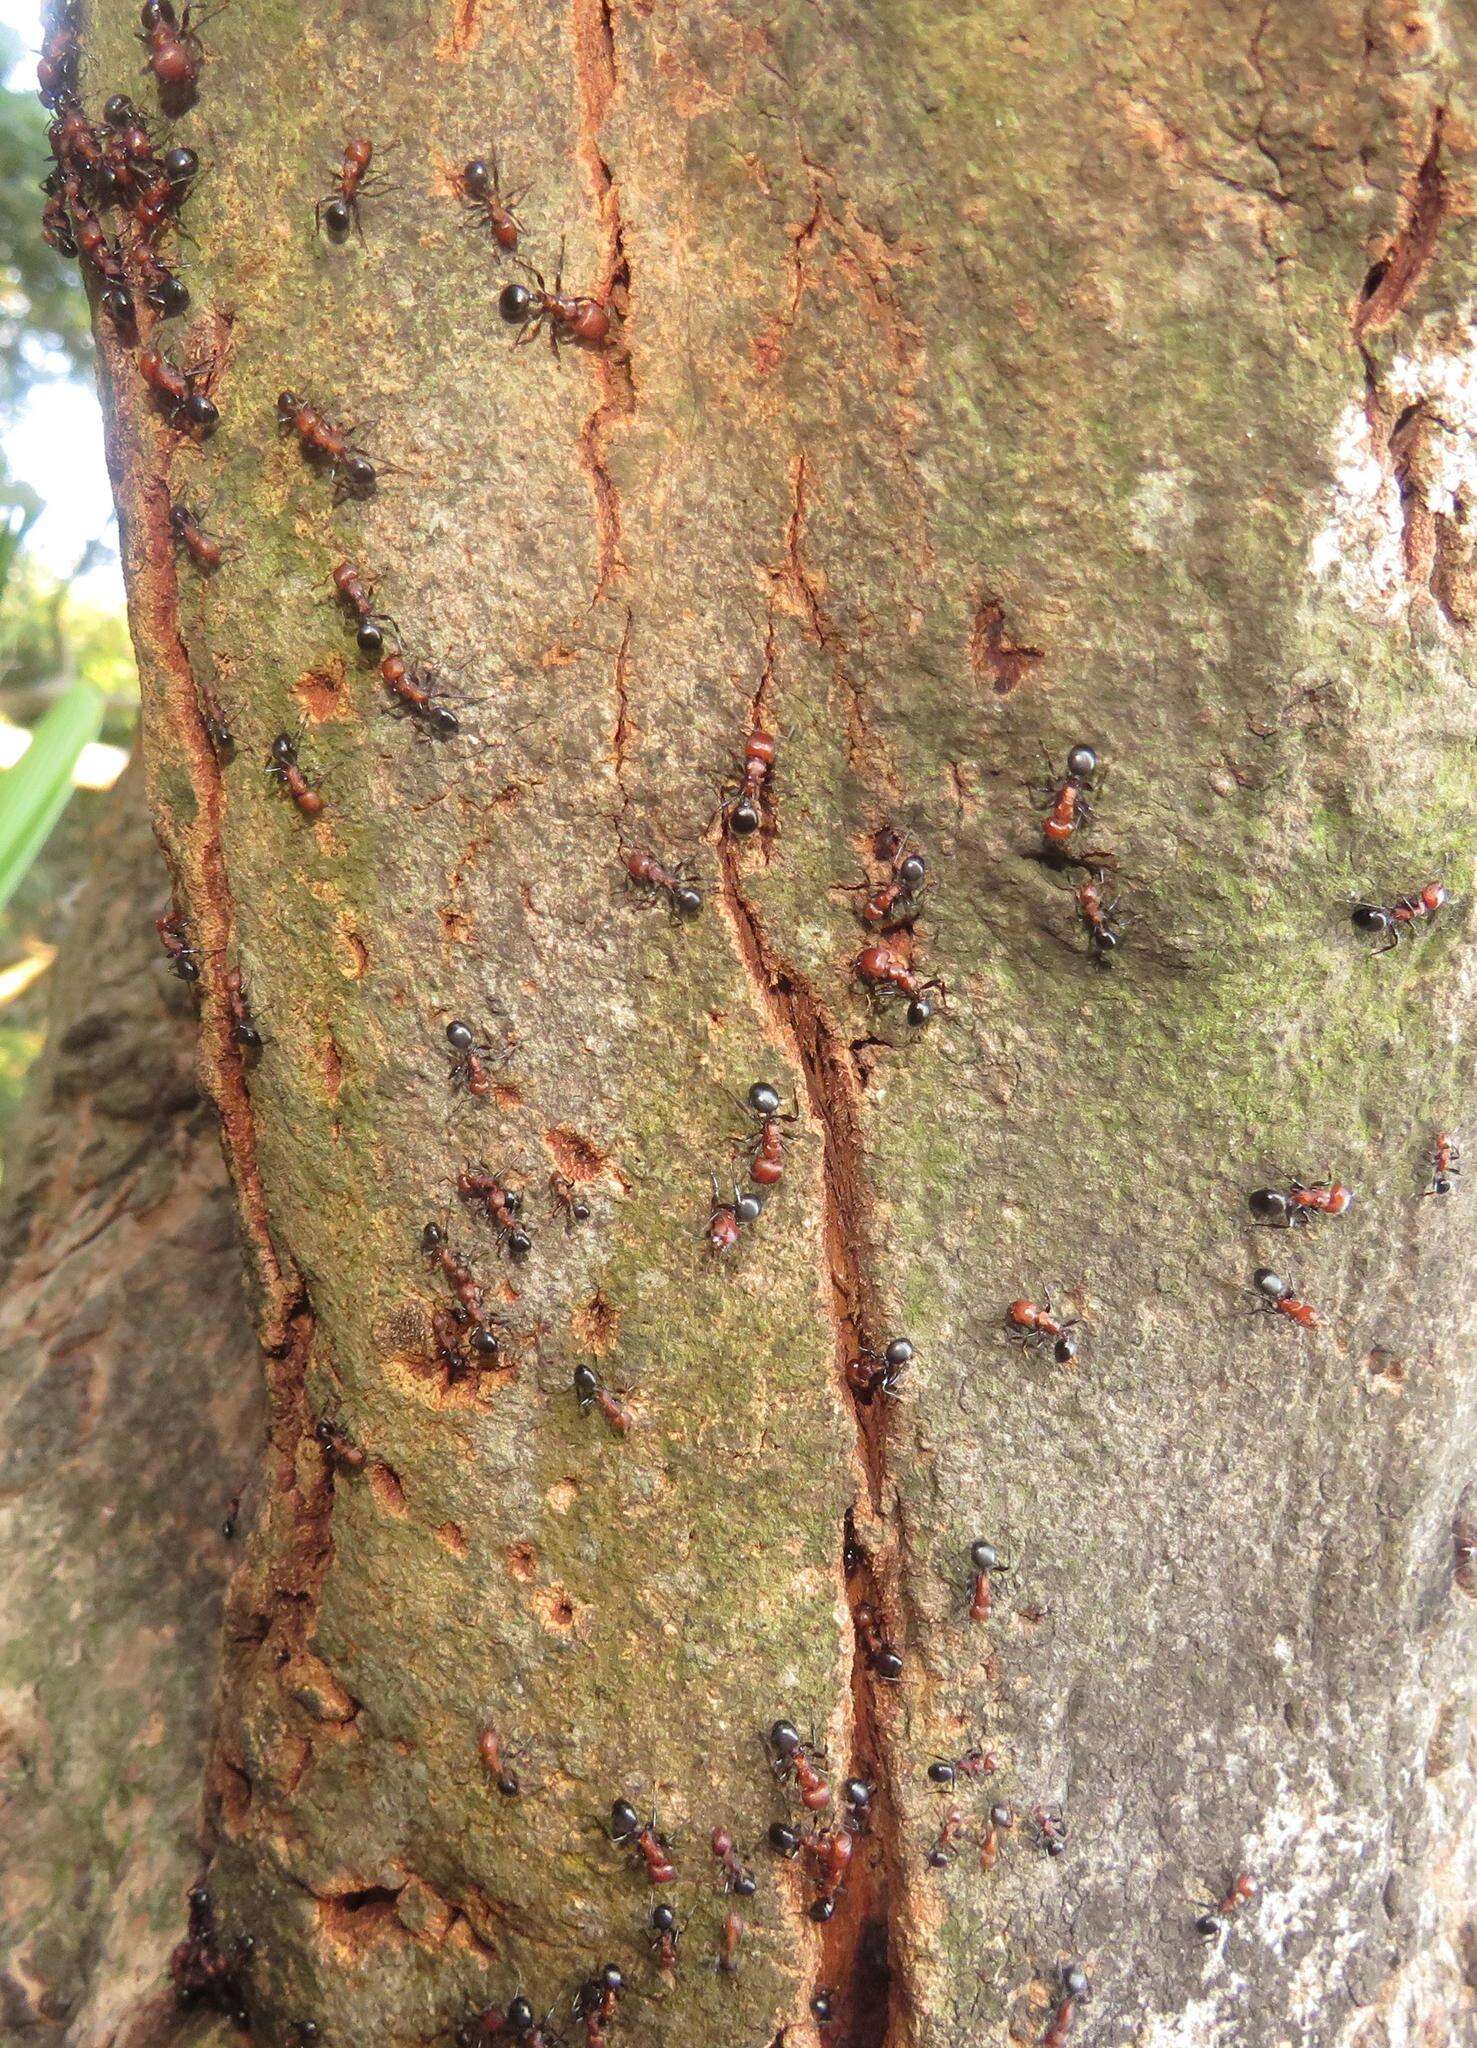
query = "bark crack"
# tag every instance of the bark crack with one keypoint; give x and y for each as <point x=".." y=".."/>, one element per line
<point x="857" y="1945"/>
<point x="1393" y="282"/>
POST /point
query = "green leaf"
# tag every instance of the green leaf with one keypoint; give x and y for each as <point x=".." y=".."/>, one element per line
<point x="34" y="793"/>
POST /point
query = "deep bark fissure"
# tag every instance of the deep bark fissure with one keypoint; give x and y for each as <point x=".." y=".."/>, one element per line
<point x="857" y="1942"/>
<point x="593" y="36"/>
<point x="1393" y="281"/>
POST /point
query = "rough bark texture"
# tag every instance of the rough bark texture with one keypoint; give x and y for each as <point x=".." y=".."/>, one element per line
<point x="132" y="1412"/>
<point x="990" y="378"/>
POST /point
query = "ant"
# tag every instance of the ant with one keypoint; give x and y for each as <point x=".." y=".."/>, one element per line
<point x="647" y="872"/>
<point x="471" y="1058"/>
<point x="822" y="2008"/>
<point x="795" y="1760"/>
<point x="282" y="764"/>
<point x="184" y="960"/>
<point x="203" y="549"/>
<point x="567" y="1197"/>
<point x="1243" y="1889"/>
<point x="946" y="1846"/>
<point x="338" y="210"/>
<point x="737" y="1878"/>
<point x="730" y="1940"/>
<point x="1295" y="1206"/>
<point x="480" y="191"/>
<point x="415" y="700"/>
<point x="327" y="444"/>
<point x="501" y="1204"/>
<point x="1445" y="1165"/>
<point x="61" y="50"/>
<point x="178" y="391"/>
<point x="1391" y="922"/>
<point x="1103" y="935"/>
<point x="569" y="316"/>
<point x="243" y="1030"/>
<point x="767" y="1159"/>
<point x="217" y="731"/>
<point x="490" y="1751"/>
<point x="482" y="1342"/>
<point x="591" y="1392"/>
<point x="1277" y="1298"/>
<point x="439" y="1253"/>
<point x="884" y="1660"/>
<point x="665" y="1936"/>
<point x="867" y="1375"/>
<point x="1071" y="805"/>
<point x="627" y="1828"/>
<point x="516" y="2024"/>
<point x="595" y="2002"/>
<point x="986" y="1562"/>
<point x="884" y="972"/>
<point x="1037" y="1325"/>
<point x="203" y="1970"/>
<point x="783" y="1839"/>
<point x="174" y="49"/>
<point x="742" y="809"/>
<point x="340" y="1449"/>
<point x="1051" y="1829"/>
<point x="892" y="905"/>
<point x="945" y="1772"/>
<point x="1001" y="1821"/>
<point x="726" y="1220"/>
<point x="1075" y="1990"/>
<point x="233" y="1512"/>
<point x="857" y="1792"/>
<point x="167" y="293"/>
<point x="827" y="1855"/>
<point x="352" y="592"/>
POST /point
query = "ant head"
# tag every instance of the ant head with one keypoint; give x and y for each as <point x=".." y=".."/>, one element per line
<point x="442" y="722"/>
<point x="476" y="179"/>
<point x="202" y="412"/>
<point x="664" y="1919"/>
<point x="586" y="1382"/>
<point x="687" y="899"/>
<point x="1270" y="1204"/>
<point x="433" y="1239"/>
<point x="912" y="872"/>
<point x="942" y="1773"/>
<point x="186" y="968"/>
<point x="820" y="2007"/>
<point x="289" y="405"/>
<point x="459" y="1036"/>
<point x="1081" y="763"/>
<point x="484" y="1342"/>
<point x="579" y="1209"/>
<point x="247" y="1037"/>
<point x="180" y="166"/>
<point x="284" y="750"/>
<point x="611" y="1978"/>
<point x="1368" y="917"/>
<point x="1441" y="1185"/>
<point x="512" y="1200"/>
<point x="370" y="640"/>
<point x="745" y="1885"/>
<point x="858" y="1794"/>
<point x="1064" y="1350"/>
<point x="359" y="476"/>
<point x="1002" y="1816"/>
<point x="168" y="295"/>
<point x="898" y="1353"/>
<point x="984" y="1556"/>
<point x="784" y="1737"/>
<point x="1104" y="939"/>
<point x="920" y="1010"/>
<point x="1432" y="897"/>
<point x="1074" y="1981"/>
<point x="744" y="818"/>
<point x="1271" y="1284"/>
<point x="764" y="1099"/>
<point x="624" y="1820"/>
<point x="887" y="1664"/>
<point x="519" y="2017"/>
<point x="119" y="111"/>
<point x="338" y="218"/>
<point x="515" y="303"/>
<point x="747" y="1208"/>
<point x="520" y="1244"/>
<point x="1208" y="1926"/>
<point x="822" y="1910"/>
<point x="783" y="1839"/>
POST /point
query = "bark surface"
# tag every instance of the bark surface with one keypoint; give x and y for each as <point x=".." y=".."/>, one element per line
<point x="989" y="379"/>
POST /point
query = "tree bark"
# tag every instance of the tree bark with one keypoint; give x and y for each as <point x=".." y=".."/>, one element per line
<point x="986" y="380"/>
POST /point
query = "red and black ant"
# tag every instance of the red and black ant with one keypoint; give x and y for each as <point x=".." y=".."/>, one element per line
<point x="985" y="1560"/>
<point x="1243" y="1889"/>
<point x="1276" y="1296"/>
<point x="1104" y="936"/>
<point x="1071" y="805"/>
<point x="163" y="289"/>
<point x="184" y="960"/>
<point x="339" y="1448"/>
<point x="665" y="1934"/>
<point x="628" y="1828"/>
<point x="727" y="1220"/>
<point x="1001" y="1822"/>
<point x="1075" y="1990"/>
<point x="596" y="2001"/>
<point x="737" y="1877"/>
<point x="743" y="807"/>
<point x="1051" y="1829"/>
<point x="356" y="597"/>
<point x="217" y="728"/>
<point x="202" y="1970"/>
<point x="180" y="391"/>
<point x="517" y="2023"/>
<point x="438" y="1252"/>
<point x="591" y="1392"/>
<point x="1034" y="1324"/>
<point x="489" y="1748"/>
<point x="795" y="1760"/>
<point x="175" y="53"/>
<point x="243" y="1027"/>
<point x="945" y="1772"/>
<point x="946" y="1845"/>
<point x="483" y="1346"/>
<point x="884" y="1659"/>
<point x="327" y="445"/>
<point x="568" y="316"/>
<point x="826" y="1855"/>
<point x="203" y="549"/>
<point x="283" y="765"/>
<point x="883" y="972"/>
<point x="767" y="1154"/>
<point x="502" y="1206"/>
<point x="415" y="700"/>
<point x="892" y="905"/>
<point x="338" y="210"/>
<point x="472" y="1060"/>
<point x="1391" y="922"/>
<point x="730" y="1941"/>
<point x="568" y="1200"/>
<point x="1445" y="1165"/>
<point x="867" y="1375"/>
<point x="646" y="871"/>
<point x="480" y="190"/>
<point x="61" y="50"/>
<point x="1294" y="1206"/>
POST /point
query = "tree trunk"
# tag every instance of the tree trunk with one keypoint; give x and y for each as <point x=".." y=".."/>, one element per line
<point x="986" y="380"/>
